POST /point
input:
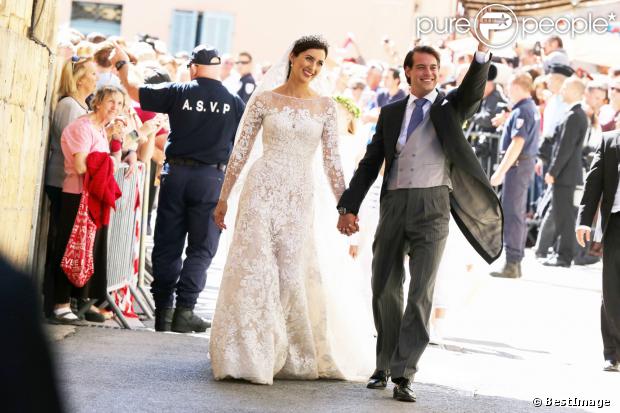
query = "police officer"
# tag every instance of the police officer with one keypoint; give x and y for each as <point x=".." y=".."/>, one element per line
<point x="516" y="170"/>
<point x="203" y="121"/>
<point x="244" y="67"/>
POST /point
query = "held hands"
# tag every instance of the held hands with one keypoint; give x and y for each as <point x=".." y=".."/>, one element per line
<point x="348" y="224"/>
<point x="582" y="233"/>
<point x="220" y="213"/>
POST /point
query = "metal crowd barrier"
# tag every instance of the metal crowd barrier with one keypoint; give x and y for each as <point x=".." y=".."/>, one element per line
<point x="123" y="242"/>
<point x="144" y="266"/>
<point x="487" y="148"/>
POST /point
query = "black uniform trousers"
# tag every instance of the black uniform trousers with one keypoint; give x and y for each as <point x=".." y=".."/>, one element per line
<point x="546" y="234"/>
<point x="187" y="197"/>
<point x="547" y="238"/>
<point x="564" y="217"/>
<point x="610" y="310"/>
<point x="413" y="222"/>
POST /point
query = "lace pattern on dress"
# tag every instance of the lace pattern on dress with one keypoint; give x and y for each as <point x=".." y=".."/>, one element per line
<point x="270" y="317"/>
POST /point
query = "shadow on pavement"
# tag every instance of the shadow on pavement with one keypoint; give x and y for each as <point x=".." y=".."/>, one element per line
<point x="106" y="370"/>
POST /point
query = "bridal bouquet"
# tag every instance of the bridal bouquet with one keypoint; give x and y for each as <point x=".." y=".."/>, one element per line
<point x="349" y="105"/>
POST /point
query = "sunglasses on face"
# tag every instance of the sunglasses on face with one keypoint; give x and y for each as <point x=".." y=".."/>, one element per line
<point x="242" y="62"/>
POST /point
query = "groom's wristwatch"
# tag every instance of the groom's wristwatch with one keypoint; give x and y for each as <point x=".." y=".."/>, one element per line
<point x="343" y="211"/>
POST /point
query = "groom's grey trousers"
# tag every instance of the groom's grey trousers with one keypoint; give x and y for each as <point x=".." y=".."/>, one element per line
<point x="414" y="222"/>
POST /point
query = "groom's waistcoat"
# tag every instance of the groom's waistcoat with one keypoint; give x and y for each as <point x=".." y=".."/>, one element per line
<point x="421" y="162"/>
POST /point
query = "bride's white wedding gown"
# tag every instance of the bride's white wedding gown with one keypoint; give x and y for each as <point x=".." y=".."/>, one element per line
<point x="271" y="318"/>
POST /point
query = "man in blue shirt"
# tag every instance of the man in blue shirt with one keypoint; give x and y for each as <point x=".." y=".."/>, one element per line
<point x="516" y="170"/>
<point x="391" y="91"/>
<point x="204" y="117"/>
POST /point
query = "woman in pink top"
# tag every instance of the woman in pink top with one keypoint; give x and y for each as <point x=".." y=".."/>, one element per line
<point x="83" y="136"/>
<point x="78" y="80"/>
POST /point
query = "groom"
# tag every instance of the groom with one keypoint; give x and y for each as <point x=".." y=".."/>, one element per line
<point x="431" y="170"/>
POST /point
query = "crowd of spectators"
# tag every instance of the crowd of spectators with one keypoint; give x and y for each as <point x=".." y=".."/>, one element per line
<point x="88" y="80"/>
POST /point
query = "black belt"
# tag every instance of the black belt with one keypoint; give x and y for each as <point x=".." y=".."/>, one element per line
<point x="193" y="162"/>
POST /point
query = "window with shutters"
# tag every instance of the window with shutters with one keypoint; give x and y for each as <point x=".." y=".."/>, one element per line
<point x="217" y="30"/>
<point x="190" y="28"/>
<point x="183" y="31"/>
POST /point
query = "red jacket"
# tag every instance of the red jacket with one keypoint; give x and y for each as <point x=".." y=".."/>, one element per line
<point x="102" y="188"/>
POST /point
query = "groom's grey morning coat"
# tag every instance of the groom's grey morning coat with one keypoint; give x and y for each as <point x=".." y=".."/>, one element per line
<point x="474" y="204"/>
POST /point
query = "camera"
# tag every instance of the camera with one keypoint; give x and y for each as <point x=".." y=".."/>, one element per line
<point x="147" y="38"/>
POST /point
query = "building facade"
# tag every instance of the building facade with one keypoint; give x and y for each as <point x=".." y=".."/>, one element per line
<point x="264" y="28"/>
<point x="27" y="31"/>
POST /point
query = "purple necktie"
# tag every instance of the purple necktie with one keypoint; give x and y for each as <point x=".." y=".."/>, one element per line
<point x="416" y="116"/>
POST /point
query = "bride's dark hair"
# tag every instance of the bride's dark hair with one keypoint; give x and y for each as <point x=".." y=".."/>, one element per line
<point x="306" y="43"/>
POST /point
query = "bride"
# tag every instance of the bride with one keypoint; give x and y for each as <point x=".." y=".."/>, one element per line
<point x="271" y="314"/>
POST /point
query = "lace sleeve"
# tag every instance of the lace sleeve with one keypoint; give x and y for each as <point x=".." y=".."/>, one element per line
<point x="243" y="146"/>
<point x="331" y="155"/>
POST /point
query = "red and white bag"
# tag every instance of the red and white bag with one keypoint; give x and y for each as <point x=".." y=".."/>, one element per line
<point x="77" y="262"/>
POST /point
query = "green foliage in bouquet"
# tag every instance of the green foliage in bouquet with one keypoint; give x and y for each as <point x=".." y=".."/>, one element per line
<point x="349" y="106"/>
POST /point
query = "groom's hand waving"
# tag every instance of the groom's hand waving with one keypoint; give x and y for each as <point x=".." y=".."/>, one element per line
<point x="348" y="224"/>
<point x="476" y="32"/>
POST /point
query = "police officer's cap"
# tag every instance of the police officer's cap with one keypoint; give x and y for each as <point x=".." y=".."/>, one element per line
<point x="205" y="55"/>
<point x="561" y="69"/>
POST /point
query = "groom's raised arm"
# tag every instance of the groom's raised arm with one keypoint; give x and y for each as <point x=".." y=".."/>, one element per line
<point x="471" y="90"/>
<point x="366" y="172"/>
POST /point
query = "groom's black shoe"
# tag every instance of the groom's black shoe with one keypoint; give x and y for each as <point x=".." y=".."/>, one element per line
<point x="185" y="321"/>
<point x="378" y="380"/>
<point x="403" y="391"/>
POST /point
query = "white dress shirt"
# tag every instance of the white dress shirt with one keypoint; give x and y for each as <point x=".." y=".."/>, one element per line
<point x="430" y="98"/>
<point x="553" y="115"/>
<point x="480" y="57"/>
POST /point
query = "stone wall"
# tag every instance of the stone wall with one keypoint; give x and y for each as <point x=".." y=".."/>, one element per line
<point x="26" y="67"/>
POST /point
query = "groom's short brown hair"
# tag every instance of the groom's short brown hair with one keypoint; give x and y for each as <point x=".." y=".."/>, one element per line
<point x="408" y="63"/>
